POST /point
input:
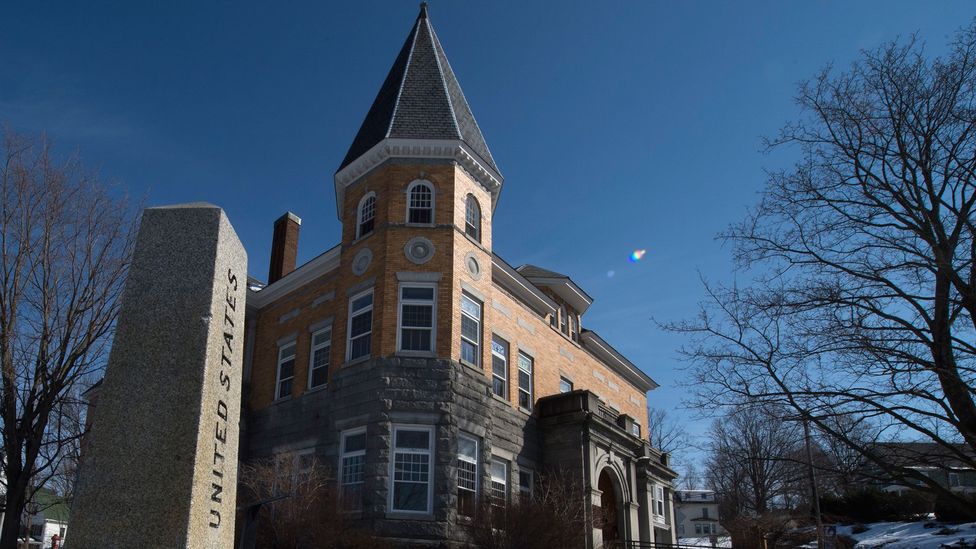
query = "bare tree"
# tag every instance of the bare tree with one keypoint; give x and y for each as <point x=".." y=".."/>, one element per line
<point x="303" y="509"/>
<point x="751" y="461"/>
<point x="665" y="432"/>
<point x="691" y="477"/>
<point x="65" y="244"/>
<point x="864" y="305"/>
<point x="554" y="516"/>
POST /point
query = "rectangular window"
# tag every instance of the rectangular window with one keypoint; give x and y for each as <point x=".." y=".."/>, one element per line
<point x="525" y="381"/>
<point x="417" y="317"/>
<point x="360" y="325"/>
<point x="563" y="320"/>
<point x="352" y="465"/>
<point x="572" y="328"/>
<point x="953" y="480"/>
<point x="286" y="370"/>
<point x="635" y="429"/>
<point x="526" y="484"/>
<point x="659" y="503"/>
<point x="467" y="481"/>
<point x="565" y="385"/>
<point x="470" y="329"/>
<point x="318" y="367"/>
<point x="499" y="367"/>
<point x="499" y="482"/>
<point x="412" y="469"/>
<point x="705" y="512"/>
<point x="698" y="528"/>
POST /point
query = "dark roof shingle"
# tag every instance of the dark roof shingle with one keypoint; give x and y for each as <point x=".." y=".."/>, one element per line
<point x="420" y="99"/>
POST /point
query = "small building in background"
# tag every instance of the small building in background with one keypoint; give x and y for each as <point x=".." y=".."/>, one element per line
<point x="696" y="514"/>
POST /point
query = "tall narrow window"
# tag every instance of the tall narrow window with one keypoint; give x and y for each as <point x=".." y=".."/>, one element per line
<point x="563" y="320"/>
<point x="499" y="482"/>
<point x="412" y="469"/>
<point x="472" y="218"/>
<point x="499" y="367"/>
<point x="572" y="328"/>
<point x="467" y="481"/>
<point x="318" y="368"/>
<point x="470" y="329"/>
<point x="360" y="325"/>
<point x="417" y="317"/>
<point x="352" y="465"/>
<point x="526" y="484"/>
<point x="365" y="215"/>
<point x="286" y="370"/>
<point x="565" y="385"/>
<point x="525" y="381"/>
<point x="420" y="206"/>
<point x="659" y="503"/>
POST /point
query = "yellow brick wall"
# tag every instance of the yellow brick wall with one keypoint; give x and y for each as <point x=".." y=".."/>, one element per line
<point x="452" y="185"/>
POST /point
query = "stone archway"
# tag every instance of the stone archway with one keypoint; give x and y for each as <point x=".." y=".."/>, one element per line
<point x="611" y="507"/>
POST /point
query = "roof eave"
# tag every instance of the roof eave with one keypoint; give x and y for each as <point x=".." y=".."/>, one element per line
<point x="423" y="149"/>
<point x="617" y="362"/>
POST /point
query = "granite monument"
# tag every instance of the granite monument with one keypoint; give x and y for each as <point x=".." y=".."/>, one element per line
<point x="161" y="462"/>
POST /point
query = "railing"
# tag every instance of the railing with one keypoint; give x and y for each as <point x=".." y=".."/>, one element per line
<point x="630" y="544"/>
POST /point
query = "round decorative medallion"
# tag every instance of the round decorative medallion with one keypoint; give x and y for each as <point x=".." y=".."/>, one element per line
<point x="419" y="250"/>
<point x="362" y="260"/>
<point x="474" y="268"/>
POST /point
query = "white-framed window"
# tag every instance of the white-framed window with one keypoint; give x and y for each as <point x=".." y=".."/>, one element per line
<point x="360" y="325"/>
<point x="415" y="331"/>
<point x="525" y="380"/>
<point x="472" y="217"/>
<point x="352" y="468"/>
<point x="467" y="481"/>
<point x="412" y="469"/>
<point x="470" y="329"/>
<point x="286" y="370"/>
<point x="499" y="482"/>
<point x="318" y="358"/>
<point x="292" y="469"/>
<point x="563" y="320"/>
<point x="635" y="429"/>
<point x="526" y="484"/>
<point x="565" y="385"/>
<point x="499" y="367"/>
<point x="554" y="320"/>
<point x="659" y="500"/>
<point x="366" y="215"/>
<point x="572" y="328"/>
<point x="420" y="203"/>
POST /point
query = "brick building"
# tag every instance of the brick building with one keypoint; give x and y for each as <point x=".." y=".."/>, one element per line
<point x="424" y="368"/>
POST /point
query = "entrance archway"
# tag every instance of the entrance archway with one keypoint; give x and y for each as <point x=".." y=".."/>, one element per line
<point x="609" y="507"/>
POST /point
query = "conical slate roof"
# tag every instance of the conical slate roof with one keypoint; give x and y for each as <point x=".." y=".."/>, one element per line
<point x="420" y="99"/>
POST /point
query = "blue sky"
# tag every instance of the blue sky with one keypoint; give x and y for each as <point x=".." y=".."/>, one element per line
<point x="617" y="125"/>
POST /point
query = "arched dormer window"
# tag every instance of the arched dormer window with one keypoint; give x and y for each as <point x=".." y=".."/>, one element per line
<point x="472" y="218"/>
<point x="420" y="202"/>
<point x="366" y="215"/>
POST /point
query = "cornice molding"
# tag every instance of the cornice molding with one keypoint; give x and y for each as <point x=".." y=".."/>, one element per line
<point x="440" y="149"/>
<point x="323" y="264"/>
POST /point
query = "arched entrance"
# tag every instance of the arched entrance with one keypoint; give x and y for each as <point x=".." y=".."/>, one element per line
<point x="609" y="507"/>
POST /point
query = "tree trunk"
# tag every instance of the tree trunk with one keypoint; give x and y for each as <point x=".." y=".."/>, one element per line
<point x="12" y="517"/>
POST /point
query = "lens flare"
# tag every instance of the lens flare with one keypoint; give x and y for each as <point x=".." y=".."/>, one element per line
<point x="611" y="273"/>
<point x="636" y="255"/>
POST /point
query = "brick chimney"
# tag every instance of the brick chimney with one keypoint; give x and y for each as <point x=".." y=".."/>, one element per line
<point x="284" y="246"/>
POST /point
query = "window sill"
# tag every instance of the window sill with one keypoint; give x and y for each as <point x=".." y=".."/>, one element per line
<point x="282" y="399"/>
<point x="410" y="515"/>
<point x="355" y="361"/>
<point x="501" y="399"/>
<point x="525" y="411"/>
<point x="420" y="225"/>
<point x="317" y="389"/>
<point x="470" y="365"/>
<point x="361" y="238"/>
<point x="416" y="354"/>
